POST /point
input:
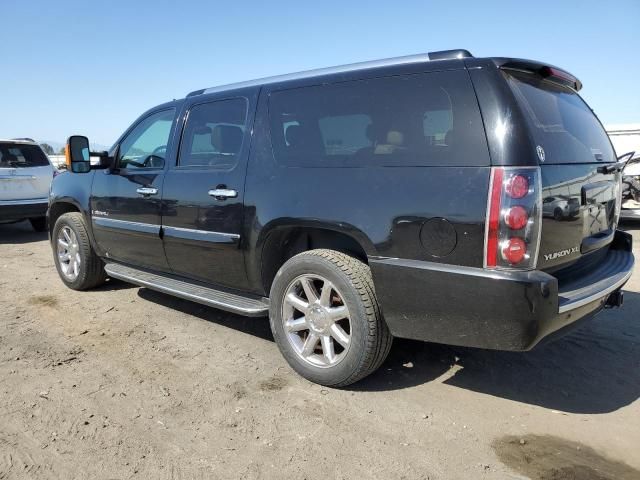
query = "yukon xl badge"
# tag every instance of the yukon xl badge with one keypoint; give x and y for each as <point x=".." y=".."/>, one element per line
<point x="561" y="253"/>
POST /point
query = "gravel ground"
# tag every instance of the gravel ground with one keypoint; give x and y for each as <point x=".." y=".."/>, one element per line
<point x="123" y="382"/>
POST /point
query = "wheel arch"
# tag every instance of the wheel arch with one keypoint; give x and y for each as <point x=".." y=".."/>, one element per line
<point x="281" y="241"/>
<point x="65" y="205"/>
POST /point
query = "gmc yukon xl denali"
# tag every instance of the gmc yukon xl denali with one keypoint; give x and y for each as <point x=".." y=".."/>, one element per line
<point x="408" y="197"/>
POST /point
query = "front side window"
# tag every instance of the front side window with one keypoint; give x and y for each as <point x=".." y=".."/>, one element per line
<point x="418" y="119"/>
<point x="214" y="134"/>
<point x="146" y="145"/>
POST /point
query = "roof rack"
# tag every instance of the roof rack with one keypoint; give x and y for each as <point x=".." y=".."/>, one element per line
<point x="408" y="59"/>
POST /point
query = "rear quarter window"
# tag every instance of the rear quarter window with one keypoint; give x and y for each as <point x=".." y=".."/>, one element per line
<point x="15" y="155"/>
<point x="429" y="119"/>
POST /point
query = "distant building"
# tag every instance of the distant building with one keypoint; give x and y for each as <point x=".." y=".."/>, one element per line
<point x="625" y="137"/>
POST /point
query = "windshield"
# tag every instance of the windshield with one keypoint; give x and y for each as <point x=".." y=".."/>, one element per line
<point x="16" y="155"/>
<point x="561" y="122"/>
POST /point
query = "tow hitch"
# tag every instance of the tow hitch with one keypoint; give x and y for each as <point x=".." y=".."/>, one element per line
<point x="616" y="299"/>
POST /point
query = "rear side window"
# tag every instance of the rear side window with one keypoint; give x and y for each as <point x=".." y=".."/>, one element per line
<point x="214" y="134"/>
<point x="15" y="155"/>
<point x="561" y="122"/>
<point x="419" y="119"/>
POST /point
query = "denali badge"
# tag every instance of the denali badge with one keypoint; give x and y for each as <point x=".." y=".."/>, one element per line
<point x="561" y="253"/>
<point x="540" y="152"/>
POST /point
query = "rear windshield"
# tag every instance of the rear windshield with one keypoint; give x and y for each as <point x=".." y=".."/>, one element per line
<point x="15" y="155"/>
<point x="562" y="123"/>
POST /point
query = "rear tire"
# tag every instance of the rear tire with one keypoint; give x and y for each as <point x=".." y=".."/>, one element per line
<point x="558" y="214"/>
<point x="39" y="224"/>
<point x="326" y="320"/>
<point x="77" y="263"/>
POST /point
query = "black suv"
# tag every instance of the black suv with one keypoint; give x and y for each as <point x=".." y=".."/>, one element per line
<point x="401" y="197"/>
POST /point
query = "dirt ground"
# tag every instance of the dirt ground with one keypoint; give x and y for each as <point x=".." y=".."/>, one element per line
<point x="123" y="382"/>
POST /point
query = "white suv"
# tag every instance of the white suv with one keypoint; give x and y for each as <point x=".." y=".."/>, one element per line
<point x="25" y="177"/>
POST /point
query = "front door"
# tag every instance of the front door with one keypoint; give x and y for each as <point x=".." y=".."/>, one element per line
<point x="203" y="194"/>
<point x="126" y="200"/>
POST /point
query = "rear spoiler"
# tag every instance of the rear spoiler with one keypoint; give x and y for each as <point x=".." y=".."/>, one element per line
<point x="549" y="72"/>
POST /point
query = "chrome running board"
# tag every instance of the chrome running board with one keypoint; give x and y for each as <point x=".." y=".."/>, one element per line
<point x="250" y="307"/>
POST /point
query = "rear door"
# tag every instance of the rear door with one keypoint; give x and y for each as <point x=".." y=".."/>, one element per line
<point x="580" y="187"/>
<point x="204" y="191"/>
<point x="25" y="172"/>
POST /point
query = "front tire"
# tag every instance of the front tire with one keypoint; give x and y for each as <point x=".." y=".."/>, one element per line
<point x="326" y="320"/>
<point x="78" y="265"/>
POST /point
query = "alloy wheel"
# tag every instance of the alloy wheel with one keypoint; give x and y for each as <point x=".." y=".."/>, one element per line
<point x="68" y="253"/>
<point x="316" y="321"/>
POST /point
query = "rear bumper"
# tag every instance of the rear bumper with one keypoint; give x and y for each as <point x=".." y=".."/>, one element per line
<point x="630" y="213"/>
<point x="12" y="210"/>
<point x="490" y="309"/>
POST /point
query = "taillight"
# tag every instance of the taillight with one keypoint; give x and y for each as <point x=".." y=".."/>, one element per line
<point x="514" y="218"/>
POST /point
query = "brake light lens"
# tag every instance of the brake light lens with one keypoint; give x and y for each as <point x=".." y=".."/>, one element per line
<point x="561" y="76"/>
<point x="517" y="186"/>
<point x="514" y="250"/>
<point x="514" y="218"/>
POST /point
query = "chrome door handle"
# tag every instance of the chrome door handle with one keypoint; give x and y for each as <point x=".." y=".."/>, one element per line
<point x="222" y="193"/>
<point x="147" y="191"/>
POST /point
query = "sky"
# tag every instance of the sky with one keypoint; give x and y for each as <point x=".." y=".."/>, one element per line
<point x="91" y="68"/>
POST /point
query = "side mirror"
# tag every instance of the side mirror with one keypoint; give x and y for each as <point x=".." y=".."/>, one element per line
<point x="77" y="154"/>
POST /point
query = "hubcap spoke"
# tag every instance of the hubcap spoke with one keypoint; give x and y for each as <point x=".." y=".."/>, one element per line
<point x="338" y="313"/>
<point x="296" y="325"/>
<point x="297" y="303"/>
<point x="325" y="296"/>
<point x="340" y="335"/>
<point x="327" y="348"/>
<point x="309" y="290"/>
<point x="310" y="344"/>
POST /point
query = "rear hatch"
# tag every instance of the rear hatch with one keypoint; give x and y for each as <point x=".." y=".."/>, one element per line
<point x="25" y="172"/>
<point x="580" y="183"/>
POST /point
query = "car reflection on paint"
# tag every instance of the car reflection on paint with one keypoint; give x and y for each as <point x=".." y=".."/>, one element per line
<point x="561" y="207"/>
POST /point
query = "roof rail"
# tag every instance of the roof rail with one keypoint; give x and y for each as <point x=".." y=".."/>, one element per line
<point x="450" y="54"/>
<point x="408" y="59"/>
